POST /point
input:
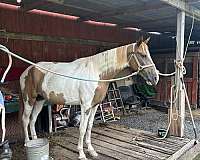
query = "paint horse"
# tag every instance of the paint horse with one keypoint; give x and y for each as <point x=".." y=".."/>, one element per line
<point x="36" y="83"/>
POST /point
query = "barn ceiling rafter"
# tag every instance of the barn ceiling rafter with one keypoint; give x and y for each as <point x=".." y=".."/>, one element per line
<point x="190" y="10"/>
<point x="158" y="16"/>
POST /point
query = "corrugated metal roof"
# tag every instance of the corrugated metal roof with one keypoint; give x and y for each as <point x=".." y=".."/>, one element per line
<point x="148" y="15"/>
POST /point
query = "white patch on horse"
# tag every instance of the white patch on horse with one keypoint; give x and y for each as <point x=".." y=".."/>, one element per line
<point x="70" y="88"/>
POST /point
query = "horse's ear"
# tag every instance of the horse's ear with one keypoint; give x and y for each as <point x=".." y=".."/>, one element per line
<point x="147" y="40"/>
<point x="139" y="42"/>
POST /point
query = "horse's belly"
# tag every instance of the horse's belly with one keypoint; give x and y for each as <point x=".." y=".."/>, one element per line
<point x="60" y="92"/>
<point x="67" y="90"/>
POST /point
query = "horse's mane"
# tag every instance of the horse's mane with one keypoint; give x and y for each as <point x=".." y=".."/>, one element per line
<point x="110" y="60"/>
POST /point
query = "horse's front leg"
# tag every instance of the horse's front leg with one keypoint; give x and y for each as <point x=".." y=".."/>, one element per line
<point x="91" y="150"/>
<point x="82" y="129"/>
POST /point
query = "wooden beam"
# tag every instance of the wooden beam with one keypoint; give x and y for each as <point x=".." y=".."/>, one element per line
<point x="133" y="9"/>
<point x="27" y="36"/>
<point x="191" y="153"/>
<point x="184" y="6"/>
<point x="31" y="4"/>
<point x="183" y="151"/>
<point x="167" y="28"/>
<point x="149" y="24"/>
<point x="71" y="6"/>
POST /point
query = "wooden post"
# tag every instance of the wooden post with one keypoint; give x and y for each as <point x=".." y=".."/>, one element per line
<point x="165" y="81"/>
<point x="178" y="117"/>
<point x="50" y="118"/>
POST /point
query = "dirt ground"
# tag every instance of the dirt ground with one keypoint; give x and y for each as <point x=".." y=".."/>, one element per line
<point x="18" y="150"/>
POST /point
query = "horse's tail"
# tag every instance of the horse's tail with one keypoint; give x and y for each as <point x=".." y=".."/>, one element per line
<point x="29" y="85"/>
<point x="20" y="113"/>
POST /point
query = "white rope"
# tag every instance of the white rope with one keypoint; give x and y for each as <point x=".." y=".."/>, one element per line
<point x="186" y="48"/>
<point x="2" y="107"/>
<point x="180" y="65"/>
<point x="3" y="114"/>
<point x="3" y="48"/>
<point x="190" y="110"/>
<point x="170" y="116"/>
<point x="8" y="68"/>
<point x="166" y="74"/>
<point x="191" y="30"/>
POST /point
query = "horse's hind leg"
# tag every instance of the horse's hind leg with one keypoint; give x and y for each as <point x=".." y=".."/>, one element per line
<point x="26" y="118"/>
<point x="36" y="110"/>
<point x="91" y="150"/>
<point x="82" y="129"/>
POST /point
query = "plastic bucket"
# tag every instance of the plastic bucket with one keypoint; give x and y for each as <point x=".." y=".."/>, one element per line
<point x="37" y="149"/>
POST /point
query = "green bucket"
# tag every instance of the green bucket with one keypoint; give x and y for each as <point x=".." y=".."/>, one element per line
<point x="162" y="133"/>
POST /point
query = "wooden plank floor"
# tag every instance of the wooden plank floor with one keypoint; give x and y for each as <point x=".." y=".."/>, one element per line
<point x="114" y="142"/>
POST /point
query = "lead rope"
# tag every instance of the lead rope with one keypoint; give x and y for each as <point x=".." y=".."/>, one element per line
<point x="172" y="101"/>
<point x="3" y="48"/>
<point x="190" y="110"/>
<point x="2" y="107"/>
<point x="170" y="117"/>
<point x="6" y="151"/>
<point x="180" y="64"/>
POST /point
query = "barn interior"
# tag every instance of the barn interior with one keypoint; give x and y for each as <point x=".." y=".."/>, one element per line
<point x="63" y="31"/>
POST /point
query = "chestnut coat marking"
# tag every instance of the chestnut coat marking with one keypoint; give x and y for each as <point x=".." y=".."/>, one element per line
<point x="62" y="90"/>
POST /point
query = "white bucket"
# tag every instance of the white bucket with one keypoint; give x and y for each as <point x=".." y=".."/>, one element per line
<point x="37" y="149"/>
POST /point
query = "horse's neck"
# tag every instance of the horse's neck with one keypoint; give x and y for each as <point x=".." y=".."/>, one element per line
<point x="111" y="62"/>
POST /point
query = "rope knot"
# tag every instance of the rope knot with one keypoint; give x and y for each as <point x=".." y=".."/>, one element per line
<point x="179" y="64"/>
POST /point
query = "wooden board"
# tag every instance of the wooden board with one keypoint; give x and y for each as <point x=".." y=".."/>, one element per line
<point x="114" y="142"/>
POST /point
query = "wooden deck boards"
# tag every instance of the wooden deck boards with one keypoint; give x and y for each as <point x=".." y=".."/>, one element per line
<point x="114" y="142"/>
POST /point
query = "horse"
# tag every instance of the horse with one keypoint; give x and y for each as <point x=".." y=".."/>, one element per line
<point x="38" y="85"/>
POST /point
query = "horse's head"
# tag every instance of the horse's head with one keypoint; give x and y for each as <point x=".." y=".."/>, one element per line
<point x="139" y="59"/>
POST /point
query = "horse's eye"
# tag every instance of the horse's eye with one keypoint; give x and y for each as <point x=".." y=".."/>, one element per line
<point x="142" y="54"/>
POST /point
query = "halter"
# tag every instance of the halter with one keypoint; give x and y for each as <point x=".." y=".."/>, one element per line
<point x="140" y="67"/>
<point x="3" y="48"/>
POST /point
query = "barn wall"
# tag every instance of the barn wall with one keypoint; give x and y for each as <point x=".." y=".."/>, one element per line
<point x="165" y="64"/>
<point x="35" y="22"/>
<point x="43" y="23"/>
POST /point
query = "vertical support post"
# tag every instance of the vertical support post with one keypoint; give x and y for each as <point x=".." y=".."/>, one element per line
<point x="178" y="117"/>
<point x="165" y="81"/>
<point x="50" y="118"/>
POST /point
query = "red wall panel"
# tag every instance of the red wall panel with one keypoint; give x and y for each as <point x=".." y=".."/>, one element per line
<point x="45" y="23"/>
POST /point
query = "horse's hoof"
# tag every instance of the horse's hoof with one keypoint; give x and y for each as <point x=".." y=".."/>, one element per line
<point x="93" y="153"/>
<point x="82" y="158"/>
<point x="25" y="143"/>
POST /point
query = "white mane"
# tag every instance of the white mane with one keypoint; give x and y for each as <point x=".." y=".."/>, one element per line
<point x="108" y="61"/>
